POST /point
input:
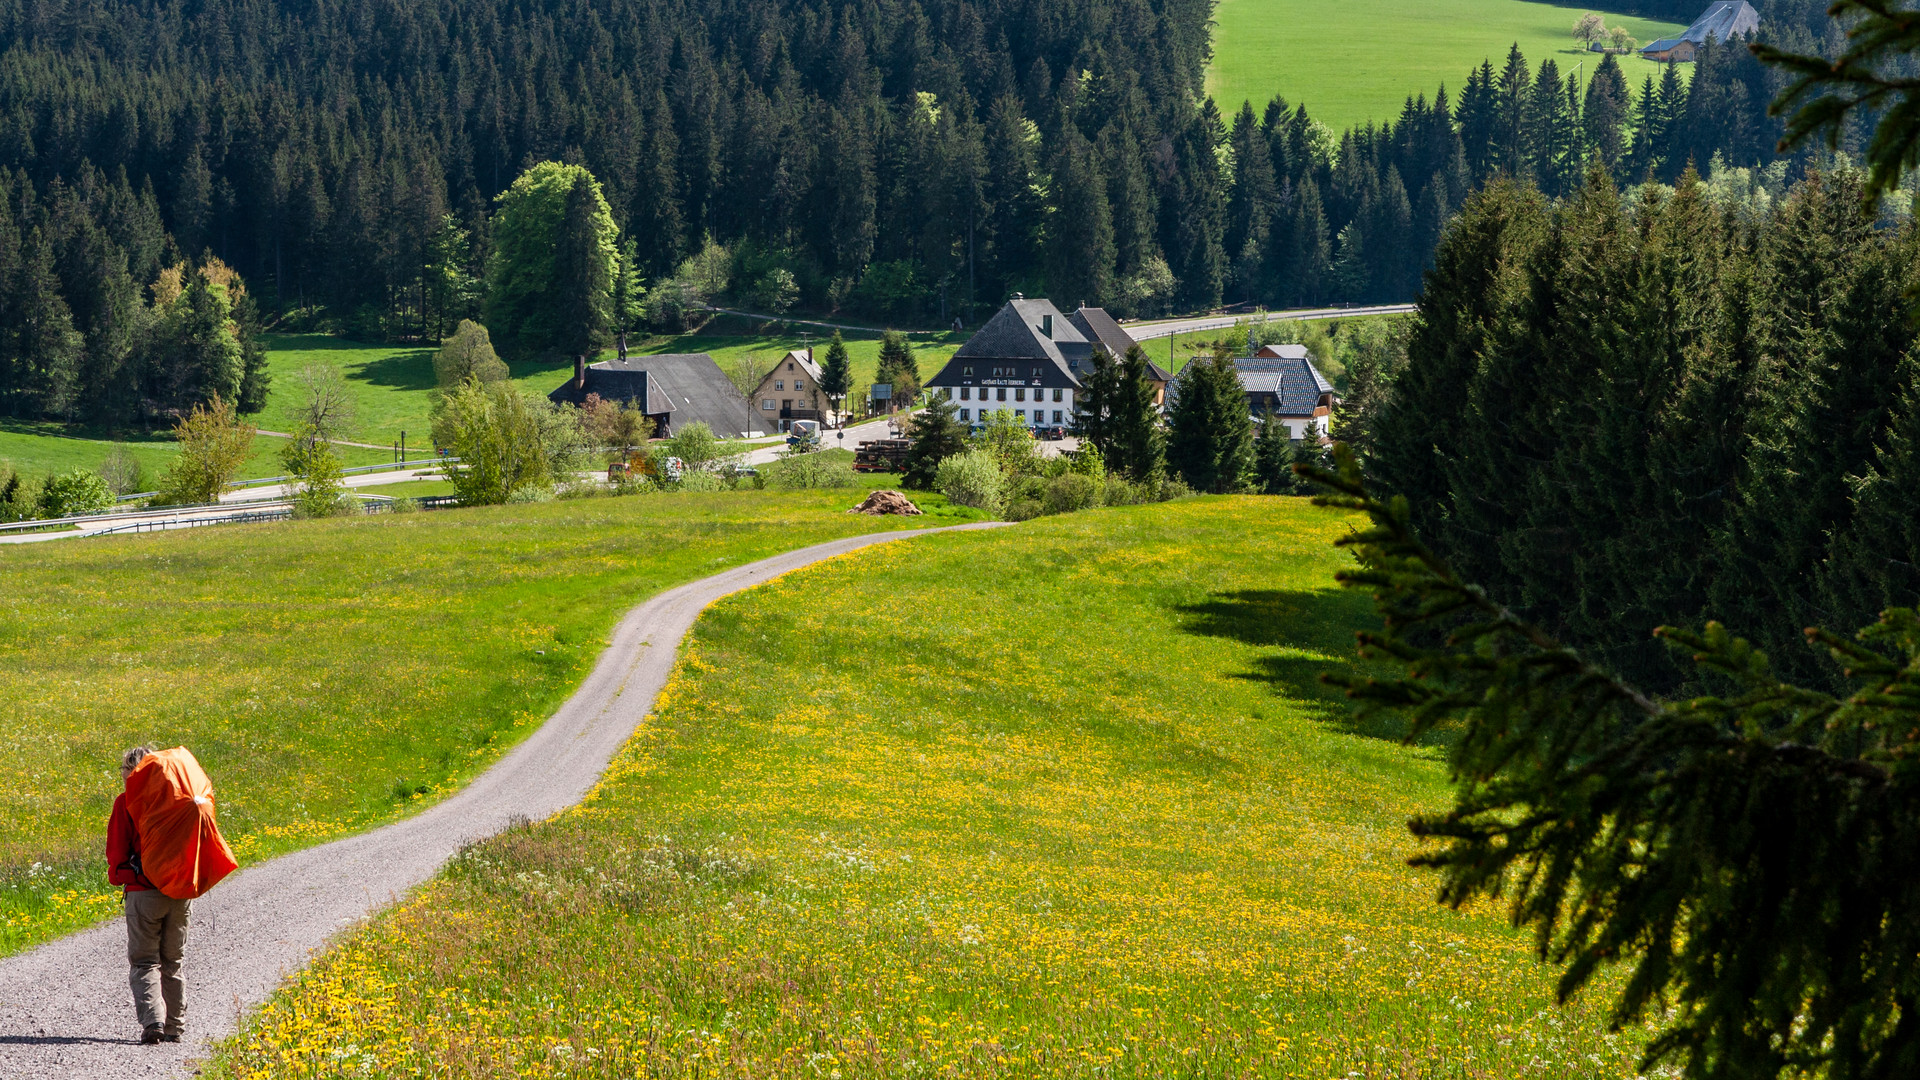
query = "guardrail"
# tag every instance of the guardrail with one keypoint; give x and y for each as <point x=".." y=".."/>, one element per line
<point x="355" y="471"/>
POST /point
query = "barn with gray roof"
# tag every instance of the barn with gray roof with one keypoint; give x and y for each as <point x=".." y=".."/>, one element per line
<point x="1723" y="21"/>
<point x="673" y="389"/>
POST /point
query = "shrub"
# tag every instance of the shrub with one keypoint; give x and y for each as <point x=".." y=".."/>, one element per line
<point x="76" y="492"/>
<point x="700" y="480"/>
<point x="311" y="460"/>
<point x="1065" y="494"/>
<point x="972" y="479"/>
<point x="695" y="445"/>
<point x="810" y="471"/>
<point x="1119" y="491"/>
<point x="213" y="446"/>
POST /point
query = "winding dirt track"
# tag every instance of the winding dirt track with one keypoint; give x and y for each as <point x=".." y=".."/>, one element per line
<point x="65" y="1009"/>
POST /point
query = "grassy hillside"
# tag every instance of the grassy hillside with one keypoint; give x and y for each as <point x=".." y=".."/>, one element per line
<point x="1078" y="809"/>
<point x="330" y="674"/>
<point x="1359" y="60"/>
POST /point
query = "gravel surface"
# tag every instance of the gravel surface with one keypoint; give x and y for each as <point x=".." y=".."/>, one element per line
<point x="65" y="1009"/>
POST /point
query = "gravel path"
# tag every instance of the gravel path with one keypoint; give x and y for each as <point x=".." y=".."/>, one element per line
<point x="65" y="1010"/>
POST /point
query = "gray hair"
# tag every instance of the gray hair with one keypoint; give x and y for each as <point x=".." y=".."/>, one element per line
<point x="132" y="758"/>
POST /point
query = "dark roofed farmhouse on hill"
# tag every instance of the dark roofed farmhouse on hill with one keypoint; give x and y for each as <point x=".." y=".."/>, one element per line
<point x="673" y="389"/>
<point x="1723" y="21"/>
<point x="1031" y="360"/>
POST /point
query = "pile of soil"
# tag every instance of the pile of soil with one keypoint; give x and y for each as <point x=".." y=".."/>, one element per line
<point x="886" y="502"/>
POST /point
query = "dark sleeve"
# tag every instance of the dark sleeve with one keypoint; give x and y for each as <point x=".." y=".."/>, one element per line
<point x="121" y="846"/>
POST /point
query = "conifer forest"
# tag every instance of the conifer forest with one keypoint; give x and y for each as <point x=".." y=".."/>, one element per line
<point x="909" y="161"/>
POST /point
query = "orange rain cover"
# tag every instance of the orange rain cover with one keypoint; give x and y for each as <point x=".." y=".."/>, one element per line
<point x="171" y="802"/>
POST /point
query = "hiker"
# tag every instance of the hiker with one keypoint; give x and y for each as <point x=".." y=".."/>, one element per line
<point x="156" y="924"/>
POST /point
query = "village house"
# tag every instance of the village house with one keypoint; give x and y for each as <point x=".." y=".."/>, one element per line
<point x="673" y="390"/>
<point x="1023" y="361"/>
<point x="790" y="391"/>
<point x="1032" y="360"/>
<point x="1283" y="386"/>
<point x="1723" y="21"/>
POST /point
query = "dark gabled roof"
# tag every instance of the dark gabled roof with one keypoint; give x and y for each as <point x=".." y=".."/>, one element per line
<point x="1099" y="328"/>
<point x="1663" y="45"/>
<point x="1015" y="339"/>
<point x="1723" y="21"/>
<point x="1294" y="382"/>
<point x="686" y="387"/>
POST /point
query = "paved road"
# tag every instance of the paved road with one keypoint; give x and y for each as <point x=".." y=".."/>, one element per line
<point x="354" y="480"/>
<point x="1140" y="331"/>
<point x="857" y="434"/>
<point x="65" y="1010"/>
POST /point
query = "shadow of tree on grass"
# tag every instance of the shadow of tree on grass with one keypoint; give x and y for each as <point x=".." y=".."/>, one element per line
<point x="410" y="370"/>
<point x="1312" y="632"/>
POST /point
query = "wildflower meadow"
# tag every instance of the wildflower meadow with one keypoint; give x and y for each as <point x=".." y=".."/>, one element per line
<point x="1064" y="799"/>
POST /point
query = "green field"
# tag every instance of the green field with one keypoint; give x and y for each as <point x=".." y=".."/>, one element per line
<point x="330" y="674"/>
<point x="1359" y="60"/>
<point x="1103" y="823"/>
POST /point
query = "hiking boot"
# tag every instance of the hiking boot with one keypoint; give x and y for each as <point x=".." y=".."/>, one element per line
<point x="151" y="1035"/>
<point x="170" y="1035"/>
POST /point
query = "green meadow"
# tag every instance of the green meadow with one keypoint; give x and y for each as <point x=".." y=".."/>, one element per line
<point x="330" y="674"/>
<point x="1080" y="809"/>
<point x="1360" y="60"/>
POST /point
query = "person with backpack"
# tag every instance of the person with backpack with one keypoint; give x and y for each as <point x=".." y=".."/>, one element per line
<point x="156" y="924"/>
<point x="163" y="849"/>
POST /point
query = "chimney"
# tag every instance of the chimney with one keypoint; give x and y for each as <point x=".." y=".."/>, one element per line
<point x="1046" y="326"/>
<point x="579" y="371"/>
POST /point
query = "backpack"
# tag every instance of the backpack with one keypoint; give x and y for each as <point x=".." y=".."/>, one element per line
<point x="171" y="802"/>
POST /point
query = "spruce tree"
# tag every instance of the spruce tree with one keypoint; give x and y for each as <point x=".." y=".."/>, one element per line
<point x="1273" y="459"/>
<point x="1603" y="115"/>
<point x="45" y="347"/>
<point x="1136" y="443"/>
<point x="1095" y="403"/>
<point x="1420" y="427"/>
<point x="897" y="367"/>
<point x="1749" y="855"/>
<point x="836" y="375"/>
<point x="937" y="435"/>
<point x="1210" y="437"/>
<point x="1079" y="246"/>
<point x="583" y="274"/>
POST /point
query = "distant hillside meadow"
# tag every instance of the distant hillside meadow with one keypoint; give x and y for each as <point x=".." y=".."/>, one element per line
<point x="1359" y="60"/>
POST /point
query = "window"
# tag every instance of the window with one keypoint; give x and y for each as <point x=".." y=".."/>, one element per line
<point x="1056" y="416"/>
<point x="948" y="392"/>
<point x="963" y="414"/>
<point x="1019" y="393"/>
<point x="1001" y="395"/>
<point x="786" y="403"/>
<point x="767" y="405"/>
<point x="1036" y="373"/>
<point x="966" y="371"/>
<point x="1020" y="415"/>
<point x="779" y="384"/>
<point x="966" y="394"/>
<point x="799" y="384"/>
<point x="1056" y="393"/>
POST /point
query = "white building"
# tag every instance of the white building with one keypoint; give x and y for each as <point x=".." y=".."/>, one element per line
<point x="1027" y="360"/>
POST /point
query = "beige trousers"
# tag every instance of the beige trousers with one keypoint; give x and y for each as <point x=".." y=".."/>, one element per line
<point x="156" y="936"/>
